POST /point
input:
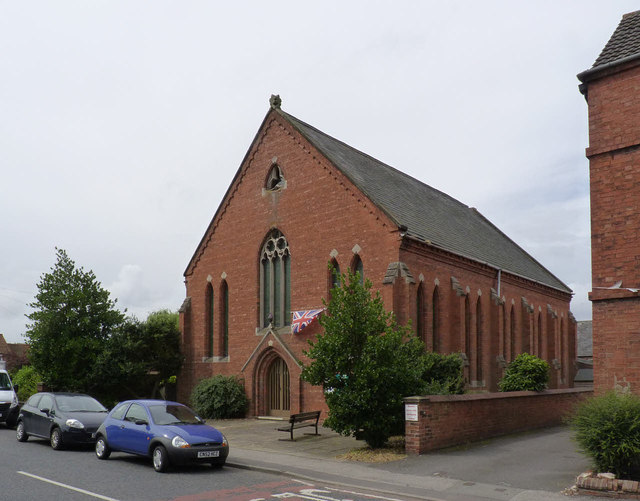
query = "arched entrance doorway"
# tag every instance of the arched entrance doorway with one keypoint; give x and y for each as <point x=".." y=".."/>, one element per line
<point x="278" y="401"/>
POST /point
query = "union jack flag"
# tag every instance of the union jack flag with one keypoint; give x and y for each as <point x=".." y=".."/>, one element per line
<point x="303" y="318"/>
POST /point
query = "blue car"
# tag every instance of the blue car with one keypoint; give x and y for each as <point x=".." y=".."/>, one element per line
<point x="168" y="432"/>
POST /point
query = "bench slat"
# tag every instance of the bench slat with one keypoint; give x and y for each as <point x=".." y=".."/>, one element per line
<point x="300" y="420"/>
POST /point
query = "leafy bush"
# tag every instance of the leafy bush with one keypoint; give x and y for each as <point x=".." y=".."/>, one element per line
<point x="442" y="374"/>
<point x="26" y="379"/>
<point x="608" y="431"/>
<point x="525" y="373"/>
<point x="219" y="397"/>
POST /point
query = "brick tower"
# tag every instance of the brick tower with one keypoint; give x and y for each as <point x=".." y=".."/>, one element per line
<point x="612" y="91"/>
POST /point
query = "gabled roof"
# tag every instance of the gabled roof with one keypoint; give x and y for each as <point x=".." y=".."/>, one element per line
<point x="428" y="214"/>
<point x="622" y="47"/>
<point x="624" y="42"/>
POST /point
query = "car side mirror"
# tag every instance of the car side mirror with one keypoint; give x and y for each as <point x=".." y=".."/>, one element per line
<point x="141" y="421"/>
<point x="15" y="388"/>
<point x="45" y="411"/>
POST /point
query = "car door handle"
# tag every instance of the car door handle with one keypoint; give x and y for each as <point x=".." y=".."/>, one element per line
<point x="122" y="427"/>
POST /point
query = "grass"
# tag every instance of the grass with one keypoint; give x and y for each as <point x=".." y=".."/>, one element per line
<point x="392" y="451"/>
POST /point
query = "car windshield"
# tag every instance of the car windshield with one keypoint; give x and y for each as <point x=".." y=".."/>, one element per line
<point x="5" y="384"/>
<point x="79" y="403"/>
<point x="173" y="414"/>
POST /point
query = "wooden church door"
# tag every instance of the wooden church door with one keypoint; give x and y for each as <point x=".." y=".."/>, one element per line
<point x="278" y="389"/>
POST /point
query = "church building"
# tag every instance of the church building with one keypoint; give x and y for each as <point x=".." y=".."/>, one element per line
<point x="611" y="88"/>
<point x="302" y="199"/>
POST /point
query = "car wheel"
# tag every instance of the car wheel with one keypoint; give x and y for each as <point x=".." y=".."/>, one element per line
<point x="102" y="449"/>
<point x="21" y="434"/>
<point x="160" y="459"/>
<point x="56" y="439"/>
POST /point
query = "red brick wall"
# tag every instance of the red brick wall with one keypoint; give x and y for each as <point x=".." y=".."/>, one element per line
<point x="614" y="167"/>
<point x="319" y="212"/>
<point x="323" y="215"/>
<point x="475" y="282"/>
<point x="445" y="421"/>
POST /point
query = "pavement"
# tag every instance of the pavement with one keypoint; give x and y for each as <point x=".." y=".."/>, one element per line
<point x="537" y="465"/>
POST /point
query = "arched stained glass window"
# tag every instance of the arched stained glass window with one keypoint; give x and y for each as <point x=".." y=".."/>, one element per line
<point x="275" y="281"/>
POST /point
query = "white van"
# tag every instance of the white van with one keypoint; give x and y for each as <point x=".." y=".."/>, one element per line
<point x="8" y="400"/>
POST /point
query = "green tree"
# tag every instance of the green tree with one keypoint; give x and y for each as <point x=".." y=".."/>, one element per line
<point x="72" y="319"/>
<point x="365" y="362"/>
<point x="138" y="357"/>
<point x="26" y="379"/>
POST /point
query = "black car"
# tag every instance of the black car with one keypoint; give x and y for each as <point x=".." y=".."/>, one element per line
<point x="63" y="418"/>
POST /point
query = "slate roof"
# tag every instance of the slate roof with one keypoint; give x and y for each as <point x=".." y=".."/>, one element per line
<point x="624" y="43"/>
<point x="585" y="338"/>
<point x="428" y="214"/>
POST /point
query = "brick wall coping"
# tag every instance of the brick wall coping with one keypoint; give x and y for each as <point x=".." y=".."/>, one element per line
<point x="605" y="294"/>
<point x="492" y="396"/>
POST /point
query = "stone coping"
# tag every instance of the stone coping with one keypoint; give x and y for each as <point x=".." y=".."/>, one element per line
<point x="466" y="397"/>
<point x="605" y="484"/>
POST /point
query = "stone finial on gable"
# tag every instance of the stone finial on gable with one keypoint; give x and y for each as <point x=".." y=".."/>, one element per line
<point x="275" y="101"/>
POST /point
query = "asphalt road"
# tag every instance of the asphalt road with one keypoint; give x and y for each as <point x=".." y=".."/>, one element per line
<point x="32" y="470"/>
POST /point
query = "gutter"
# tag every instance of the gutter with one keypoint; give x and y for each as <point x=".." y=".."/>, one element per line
<point x="593" y="73"/>
<point x="499" y="270"/>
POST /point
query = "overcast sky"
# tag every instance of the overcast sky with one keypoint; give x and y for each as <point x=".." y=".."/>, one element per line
<point x="122" y="123"/>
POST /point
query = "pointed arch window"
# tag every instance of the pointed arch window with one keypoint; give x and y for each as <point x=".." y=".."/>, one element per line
<point x="275" y="281"/>
<point x="467" y="327"/>
<point x="512" y="333"/>
<point x="420" y="313"/>
<point x="275" y="179"/>
<point x="358" y="267"/>
<point x="209" y="309"/>
<point x="479" y="340"/>
<point x="334" y="275"/>
<point x="435" y="319"/>
<point x="540" y="336"/>
<point x="224" y="319"/>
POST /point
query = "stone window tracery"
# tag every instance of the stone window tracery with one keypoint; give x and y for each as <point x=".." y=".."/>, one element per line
<point x="275" y="281"/>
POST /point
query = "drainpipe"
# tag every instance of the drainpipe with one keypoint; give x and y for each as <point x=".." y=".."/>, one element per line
<point x="499" y="274"/>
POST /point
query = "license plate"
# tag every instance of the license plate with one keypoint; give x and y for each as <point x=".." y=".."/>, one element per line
<point x="208" y="454"/>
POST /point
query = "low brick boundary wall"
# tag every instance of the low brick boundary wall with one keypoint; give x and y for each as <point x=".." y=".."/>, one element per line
<point x="439" y="421"/>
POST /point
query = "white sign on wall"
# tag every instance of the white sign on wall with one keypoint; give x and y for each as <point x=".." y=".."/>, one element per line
<point x="411" y="412"/>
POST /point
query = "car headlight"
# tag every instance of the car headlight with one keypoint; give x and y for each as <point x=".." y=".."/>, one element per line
<point x="74" y="423"/>
<point x="224" y="441"/>
<point x="179" y="442"/>
<point x="14" y="400"/>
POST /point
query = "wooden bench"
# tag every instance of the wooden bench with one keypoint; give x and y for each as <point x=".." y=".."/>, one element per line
<point x="302" y="420"/>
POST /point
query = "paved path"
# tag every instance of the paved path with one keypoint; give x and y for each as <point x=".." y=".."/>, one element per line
<point x="529" y="466"/>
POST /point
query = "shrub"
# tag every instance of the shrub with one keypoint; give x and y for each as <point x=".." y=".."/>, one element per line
<point x="442" y="374"/>
<point x="525" y="373"/>
<point x="607" y="430"/>
<point x="219" y="397"/>
<point x="26" y="379"/>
